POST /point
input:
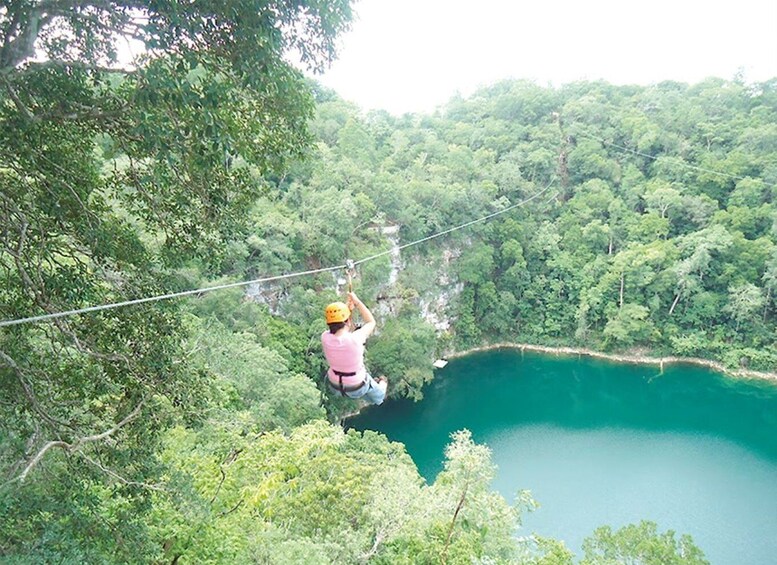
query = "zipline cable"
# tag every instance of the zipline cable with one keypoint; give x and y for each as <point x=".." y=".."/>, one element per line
<point x="112" y="305"/>
<point x="655" y="158"/>
<point x="377" y="286"/>
<point x="453" y="229"/>
<point x="347" y="265"/>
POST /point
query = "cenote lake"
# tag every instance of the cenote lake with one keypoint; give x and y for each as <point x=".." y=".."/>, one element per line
<point x="604" y="443"/>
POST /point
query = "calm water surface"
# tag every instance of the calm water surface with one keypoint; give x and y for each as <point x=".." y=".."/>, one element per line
<point x="603" y="443"/>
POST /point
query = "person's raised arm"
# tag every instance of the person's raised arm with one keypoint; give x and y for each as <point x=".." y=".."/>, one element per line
<point x="369" y="320"/>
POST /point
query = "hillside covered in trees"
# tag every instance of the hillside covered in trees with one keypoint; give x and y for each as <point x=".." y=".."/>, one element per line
<point x="197" y="430"/>
<point x="658" y="233"/>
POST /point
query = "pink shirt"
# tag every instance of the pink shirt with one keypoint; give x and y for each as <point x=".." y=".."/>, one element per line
<point x="344" y="353"/>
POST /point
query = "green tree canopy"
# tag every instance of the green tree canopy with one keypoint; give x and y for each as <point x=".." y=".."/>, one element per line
<point x="111" y="178"/>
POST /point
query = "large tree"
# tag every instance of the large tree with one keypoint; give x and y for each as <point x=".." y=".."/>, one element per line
<point x="111" y="175"/>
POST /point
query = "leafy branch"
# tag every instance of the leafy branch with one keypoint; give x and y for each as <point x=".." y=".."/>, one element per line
<point x="74" y="446"/>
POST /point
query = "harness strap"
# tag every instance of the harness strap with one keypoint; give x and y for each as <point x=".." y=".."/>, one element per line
<point x="342" y="388"/>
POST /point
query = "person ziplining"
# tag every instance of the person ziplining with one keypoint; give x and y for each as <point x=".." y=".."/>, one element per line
<point x="344" y="351"/>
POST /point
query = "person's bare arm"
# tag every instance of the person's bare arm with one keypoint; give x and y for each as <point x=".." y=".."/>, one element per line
<point x="369" y="320"/>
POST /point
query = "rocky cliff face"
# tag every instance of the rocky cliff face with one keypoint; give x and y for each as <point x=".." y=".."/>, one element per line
<point x="435" y="307"/>
<point x="434" y="304"/>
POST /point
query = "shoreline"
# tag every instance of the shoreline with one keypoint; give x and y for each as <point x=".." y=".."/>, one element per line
<point x="614" y="357"/>
<point x="624" y="358"/>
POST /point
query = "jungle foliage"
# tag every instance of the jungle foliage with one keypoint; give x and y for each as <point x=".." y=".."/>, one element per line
<point x="197" y="430"/>
<point x="658" y="231"/>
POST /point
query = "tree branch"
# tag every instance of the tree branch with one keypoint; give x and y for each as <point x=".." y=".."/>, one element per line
<point x="36" y="66"/>
<point x="28" y="450"/>
<point x="231" y="458"/>
<point x="379" y="537"/>
<point x="118" y="477"/>
<point x="74" y="446"/>
<point x="107" y="433"/>
<point x="35" y="460"/>
<point x="62" y="325"/>
<point x="15" y="50"/>
<point x="235" y="507"/>
<point x="24" y="110"/>
<point x="444" y="555"/>
<point x="29" y="392"/>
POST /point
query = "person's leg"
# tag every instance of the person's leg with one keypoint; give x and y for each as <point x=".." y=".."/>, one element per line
<point x="376" y="390"/>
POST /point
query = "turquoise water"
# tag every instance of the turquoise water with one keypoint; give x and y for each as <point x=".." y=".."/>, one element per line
<point x="603" y="443"/>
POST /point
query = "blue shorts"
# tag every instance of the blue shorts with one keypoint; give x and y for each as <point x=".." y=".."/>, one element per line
<point x="369" y="391"/>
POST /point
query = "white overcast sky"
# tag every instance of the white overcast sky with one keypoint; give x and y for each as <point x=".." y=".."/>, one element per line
<point x="413" y="55"/>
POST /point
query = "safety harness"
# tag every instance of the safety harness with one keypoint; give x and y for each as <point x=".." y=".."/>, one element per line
<point x="343" y="388"/>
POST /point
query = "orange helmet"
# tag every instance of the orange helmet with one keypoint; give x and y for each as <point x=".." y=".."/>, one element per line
<point x="337" y="312"/>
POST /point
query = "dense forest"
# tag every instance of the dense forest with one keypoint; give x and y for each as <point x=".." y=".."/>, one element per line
<point x="196" y="430"/>
<point x="659" y="232"/>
